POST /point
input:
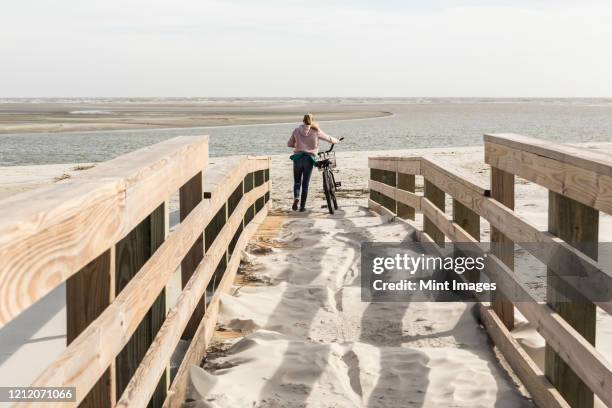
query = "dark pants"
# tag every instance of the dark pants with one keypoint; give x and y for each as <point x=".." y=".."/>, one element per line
<point x="302" y="169"/>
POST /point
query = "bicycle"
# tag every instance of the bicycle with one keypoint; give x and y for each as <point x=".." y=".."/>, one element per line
<point x="325" y="163"/>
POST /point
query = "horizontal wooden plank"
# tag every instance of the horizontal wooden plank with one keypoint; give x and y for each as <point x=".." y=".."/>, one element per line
<point x="424" y="237"/>
<point x="50" y="233"/>
<point x="407" y="165"/>
<point x="445" y="223"/>
<point x="581" y="183"/>
<point x="37" y="261"/>
<point x="145" y="379"/>
<point x="553" y="251"/>
<point x="382" y="188"/>
<point x="555" y="325"/>
<point x="217" y="172"/>
<point x="408" y="198"/>
<point x="151" y="174"/>
<point x="541" y="390"/>
<point x="455" y="188"/>
<point x="379" y="209"/>
<point x="257" y="163"/>
<point x="588" y="159"/>
<point x="431" y="166"/>
<point x="197" y="348"/>
<point x="594" y="369"/>
<point x="82" y="363"/>
<point x="382" y="164"/>
<point x="403" y="196"/>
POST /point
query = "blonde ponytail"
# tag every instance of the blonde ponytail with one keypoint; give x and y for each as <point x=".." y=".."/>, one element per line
<point x="309" y="120"/>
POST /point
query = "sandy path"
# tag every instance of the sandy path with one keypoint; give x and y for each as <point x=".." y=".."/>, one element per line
<point x="310" y="341"/>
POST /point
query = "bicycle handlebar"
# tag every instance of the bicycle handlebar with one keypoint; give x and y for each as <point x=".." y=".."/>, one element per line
<point x="332" y="146"/>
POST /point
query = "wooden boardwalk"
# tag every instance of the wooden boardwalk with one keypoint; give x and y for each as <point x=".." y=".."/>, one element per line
<point x="105" y="234"/>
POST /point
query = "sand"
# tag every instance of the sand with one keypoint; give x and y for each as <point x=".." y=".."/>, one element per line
<point x="97" y="115"/>
<point x="298" y="334"/>
<point x="311" y="341"/>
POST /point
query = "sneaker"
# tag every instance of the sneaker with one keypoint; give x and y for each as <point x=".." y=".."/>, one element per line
<point x="295" y="204"/>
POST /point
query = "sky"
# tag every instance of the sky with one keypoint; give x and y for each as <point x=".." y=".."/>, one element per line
<point x="266" y="48"/>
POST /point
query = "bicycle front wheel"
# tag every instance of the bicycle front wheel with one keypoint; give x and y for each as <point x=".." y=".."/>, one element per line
<point x="327" y="191"/>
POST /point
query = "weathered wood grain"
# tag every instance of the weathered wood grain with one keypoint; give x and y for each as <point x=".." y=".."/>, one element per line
<point x="76" y="366"/>
<point x="153" y="173"/>
<point x="132" y="252"/>
<point x="406" y="193"/>
<point x="431" y="167"/>
<point x="554" y="252"/>
<point x="469" y="222"/>
<point x="190" y="195"/>
<point x="588" y="159"/>
<point x="588" y="363"/>
<point x="88" y="293"/>
<point x="444" y="223"/>
<point x="467" y="219"/>
<point x="542" y="392"/>
<point x="587" y="182"/>
<point x="437" y="197"/>
<point x="473" y="201"/>
<point x="406" y="165"/>
<point x="406" y="197"/>
<point x="379" y="209"/>
<point x="578" y="225"/>
<point x="502" y="190"/>
<point x="143" y="382"/>
<point x="43" y="245"/>
<point x="55" y="231"/>
<point x="197" y="349"/>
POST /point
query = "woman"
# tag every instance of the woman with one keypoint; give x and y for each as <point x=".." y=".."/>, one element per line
<point x="305" y="143"/>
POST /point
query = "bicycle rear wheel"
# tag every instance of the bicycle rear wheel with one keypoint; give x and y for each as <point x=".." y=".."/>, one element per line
<point x="327" y="191"/>
<point x="333" y="189"/>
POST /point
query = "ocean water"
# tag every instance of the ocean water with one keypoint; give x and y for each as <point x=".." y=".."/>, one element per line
<point x="415" y="123"/>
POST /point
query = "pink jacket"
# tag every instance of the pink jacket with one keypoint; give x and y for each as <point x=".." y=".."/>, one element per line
<point x="304" y="139"/>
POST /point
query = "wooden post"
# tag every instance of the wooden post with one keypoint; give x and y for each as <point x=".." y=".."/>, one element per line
<point x="132" y="252"/>
<point x="88" y="293"/>
<point x="210" y="234"/>
<point x="502" y="190"/>
<point x="249" y="182"/>
<point x="389" y="178"/>
<point x="470" y="222"/>
<point x="232" y="203"/>
<point x="437" y="197"/>
<point x="405" y="182"/>
<point x="190" y="195"/>
<point x="578" y="225"/>
<point x="466" y="219"/>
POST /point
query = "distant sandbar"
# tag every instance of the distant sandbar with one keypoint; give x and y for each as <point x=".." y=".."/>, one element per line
<point x="82" y="117"/>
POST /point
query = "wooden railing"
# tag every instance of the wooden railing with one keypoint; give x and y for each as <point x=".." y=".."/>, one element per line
<point x="106" y="234"/>
<point x="580" y="185"/>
